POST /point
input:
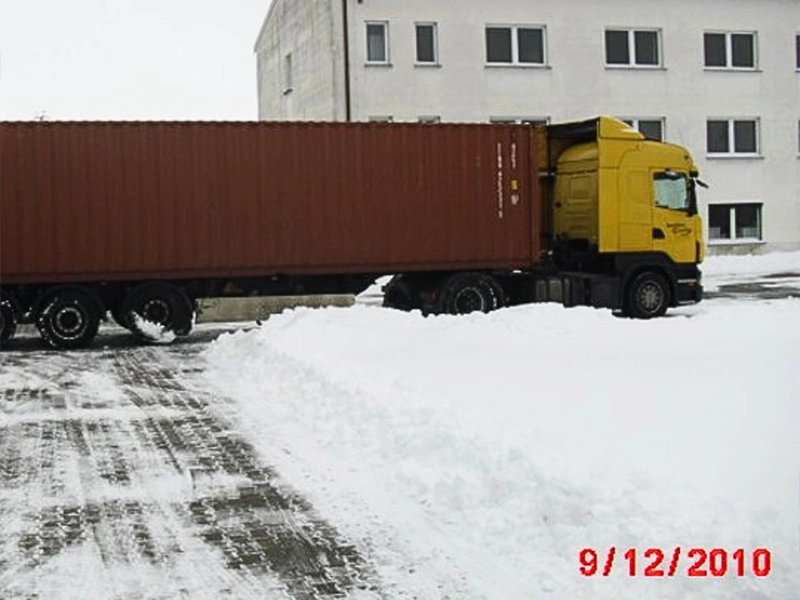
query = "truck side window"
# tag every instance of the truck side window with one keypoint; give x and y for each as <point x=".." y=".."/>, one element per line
<point x="672" y="191"/>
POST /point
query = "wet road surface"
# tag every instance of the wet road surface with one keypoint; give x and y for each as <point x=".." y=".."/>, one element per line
<point x="117" y="480"/>
<point x="764" y="287"/>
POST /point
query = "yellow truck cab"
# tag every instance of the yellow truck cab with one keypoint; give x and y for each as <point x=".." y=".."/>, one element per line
<point x="624" y="212"/>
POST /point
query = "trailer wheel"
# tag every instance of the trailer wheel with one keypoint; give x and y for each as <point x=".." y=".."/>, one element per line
<point x="647" y="296"/>
<point x="464" y="293"/>
<point x="118" y="316"/>
<point x="68" y="318"/>
<point x="8" y="320"/>
<point x="398" y="294"/>
<point x="162" y="304"/>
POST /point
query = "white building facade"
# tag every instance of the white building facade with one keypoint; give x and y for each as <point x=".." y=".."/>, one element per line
<point x="720" y="77"/>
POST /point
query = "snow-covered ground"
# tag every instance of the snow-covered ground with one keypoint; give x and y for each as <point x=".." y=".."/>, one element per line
<point x="777" y="267"/>
<point x="475" y="457"/>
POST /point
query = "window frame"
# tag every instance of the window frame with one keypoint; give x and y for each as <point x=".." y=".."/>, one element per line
<point x="634" y="122"/>
<point x="387" y="56"/>
<point x="733" y="225"/>
<point x="632" y="64"/>
<point x="797" y="52"/>
<point x="680" y="181"/>
<point x="288" y="74"/>
<point x="731" y="153"/>
<point x="514" y="33"/>
<point x="435" y="29"/>
<point x="729" y="66"/>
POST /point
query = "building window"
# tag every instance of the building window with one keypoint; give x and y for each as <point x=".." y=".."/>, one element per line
<point x="287" y="73"/>
<point x="519" y="120"/>
<point x="381" y="119"/>
<point x="515" y="45"/>
<point x="378" y="43"/>
<point x="652" y="129"/>
<point x="427" y="46"/>
<point x="730" y="50"/>
<point x="736" y="222"/>
<point x="430" y="119"/>
<point x="732" y="137"/>
<point x="633" y="48"/>
<point x="797" y="51"/>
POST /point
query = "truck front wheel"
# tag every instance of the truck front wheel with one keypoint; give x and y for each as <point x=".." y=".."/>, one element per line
<point x="647" y="296"/>
<point x="464" y="293"/>
<point x="68" y="318"/>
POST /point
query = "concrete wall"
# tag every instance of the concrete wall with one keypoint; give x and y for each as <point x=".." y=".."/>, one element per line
<point x="309" y="31"/>
<point x="576" y="83"/>
<point x="223" y="310"/>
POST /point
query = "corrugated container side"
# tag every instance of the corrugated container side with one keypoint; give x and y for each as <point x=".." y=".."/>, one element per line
<point x="113" y="201"/>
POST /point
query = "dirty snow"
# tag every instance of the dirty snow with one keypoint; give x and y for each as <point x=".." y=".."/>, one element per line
<point x="117" y="481"/>
<point x="475" y="457"/>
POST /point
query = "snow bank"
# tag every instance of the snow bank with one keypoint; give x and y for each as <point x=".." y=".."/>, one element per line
<point x="763" y="264"/>
<point x="474" y="457"/>
<point x="778" y="268"/>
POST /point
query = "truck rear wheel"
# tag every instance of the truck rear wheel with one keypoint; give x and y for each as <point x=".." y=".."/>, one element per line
<point x="161" y="304"/>
<point x="464" y="293"/>
<point x="8" y="320"/>
<point x="68" y="318"/>
<point x="647" y="296"/>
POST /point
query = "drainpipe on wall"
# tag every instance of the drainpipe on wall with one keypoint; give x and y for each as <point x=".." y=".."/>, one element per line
<point x="346" y="40"/>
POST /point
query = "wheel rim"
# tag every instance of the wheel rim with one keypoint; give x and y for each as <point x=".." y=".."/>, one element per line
<point x="69" y="322"/>
<point x="156" y="310"/>
<point x="469" y="300"/>
<point x="651" y="297"/>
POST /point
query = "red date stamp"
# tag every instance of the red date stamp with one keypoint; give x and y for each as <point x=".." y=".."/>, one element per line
<point x="694" y="562"/>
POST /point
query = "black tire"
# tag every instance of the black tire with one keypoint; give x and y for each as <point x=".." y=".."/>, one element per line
<point x="647" y="297"/>
<point x="118" y="316"/>
<point x="8" y="320"/>
<point x="464" y="293"/>
<point x="161" y="304"/>
<point x="68" y="318"/>
<point x="398" y="295"/>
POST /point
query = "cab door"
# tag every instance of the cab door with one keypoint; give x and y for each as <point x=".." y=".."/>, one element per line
<point x="675" y="225"/>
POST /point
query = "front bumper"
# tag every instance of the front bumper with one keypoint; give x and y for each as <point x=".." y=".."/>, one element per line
<point x="689" y="289"/>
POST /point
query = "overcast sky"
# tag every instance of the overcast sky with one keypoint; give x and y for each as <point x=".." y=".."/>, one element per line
<point x="129" y="59"/>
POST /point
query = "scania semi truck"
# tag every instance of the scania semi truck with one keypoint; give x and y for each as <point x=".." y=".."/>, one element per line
<point x="139" y="220"/>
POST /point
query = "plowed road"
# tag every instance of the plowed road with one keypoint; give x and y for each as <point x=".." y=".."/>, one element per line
<point x="117" y="480"/>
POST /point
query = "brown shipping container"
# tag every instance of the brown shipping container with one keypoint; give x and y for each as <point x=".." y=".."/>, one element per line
<point x="124" y="201"/>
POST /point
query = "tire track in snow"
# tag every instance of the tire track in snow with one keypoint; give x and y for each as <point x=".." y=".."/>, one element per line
<point x="127" y="478"/>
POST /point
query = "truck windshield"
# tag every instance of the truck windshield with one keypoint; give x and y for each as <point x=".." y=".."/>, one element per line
<point x="672" y="190"/>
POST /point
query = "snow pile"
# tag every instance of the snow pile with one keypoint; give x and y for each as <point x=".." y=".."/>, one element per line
<point x="155" y="333"/>
<point x="474" y="457"/>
